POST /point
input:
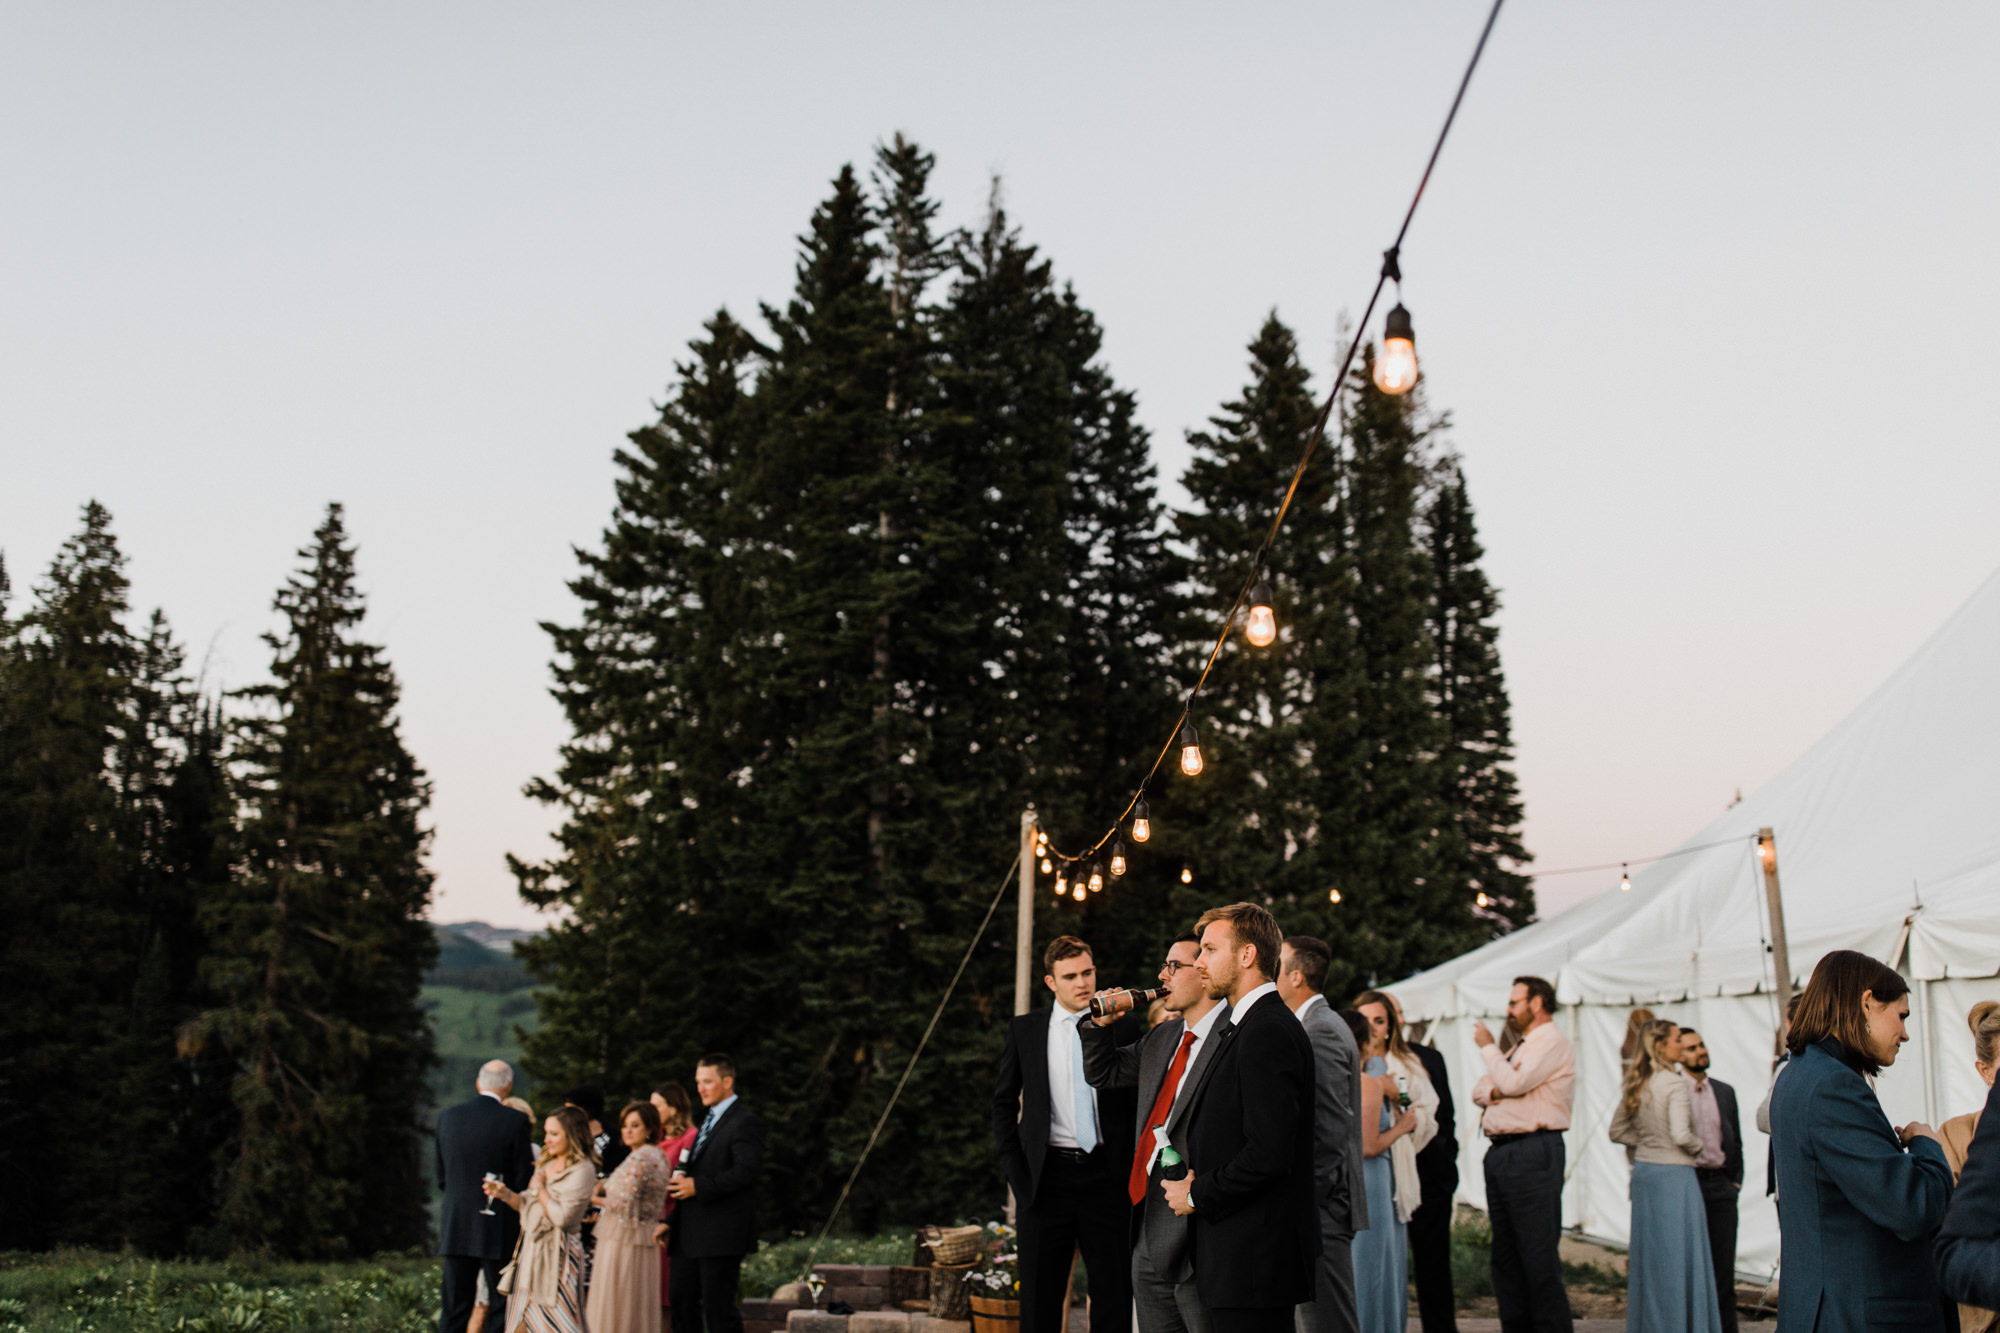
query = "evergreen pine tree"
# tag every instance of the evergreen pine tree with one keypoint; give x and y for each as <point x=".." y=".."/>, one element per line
<point x="1481" y="791"/>
<point x="67" y="864"/>
<point x="321" y="943"/>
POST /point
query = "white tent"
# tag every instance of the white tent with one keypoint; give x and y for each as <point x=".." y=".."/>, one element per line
<point x="1888" y="841"/>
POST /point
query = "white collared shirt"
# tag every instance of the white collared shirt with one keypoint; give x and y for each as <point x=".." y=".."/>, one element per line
<point x="1201" y="1031"/>
<point x="1065" y="1052"/>
<point x="1310" y="1000"/>
<point x="1242" y="1006"/>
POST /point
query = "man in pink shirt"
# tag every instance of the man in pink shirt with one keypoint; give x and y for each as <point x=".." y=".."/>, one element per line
<point x="1525" y="1097"/>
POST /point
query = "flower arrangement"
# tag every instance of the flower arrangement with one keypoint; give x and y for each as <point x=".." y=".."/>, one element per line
<point x="997" y="1271"/>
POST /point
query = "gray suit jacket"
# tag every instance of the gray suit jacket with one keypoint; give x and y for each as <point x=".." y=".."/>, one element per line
<point x="1143" y="1066"/>
<point x="1342" y="1193"/>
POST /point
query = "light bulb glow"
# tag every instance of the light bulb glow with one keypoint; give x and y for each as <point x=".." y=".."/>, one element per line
<point x="1142" y="824"/>
<point x="1482" y="901"/>
<point x="1062" y="889"/>
<point x="1096" y="876"/>
<point x="1047" y="866"/>
<point x="1117" y="860"/>
<point x="1333" y="895"/>
<point x="1261" y="629"/>
<point x="1624" y="881"/>
<point x="1190" y="744"/>
<point x="1187" y="874"/>
<point x="1062" y="881"/>
<point x="1078" y="895"/>
<point x="1396" y="365"/>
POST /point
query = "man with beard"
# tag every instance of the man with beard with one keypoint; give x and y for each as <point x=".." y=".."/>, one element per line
<point x="1247" y="1136"/>
<point x="1719" y="1167"/>
<point x="1526" y="1097"/>
<point x="1171" y="1058"/>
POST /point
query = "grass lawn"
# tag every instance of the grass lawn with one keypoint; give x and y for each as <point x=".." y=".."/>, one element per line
<point x="84" y="1291"/>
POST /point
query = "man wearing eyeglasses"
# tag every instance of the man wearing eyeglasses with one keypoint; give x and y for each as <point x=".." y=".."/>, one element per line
<point x="1164" y="1066"/>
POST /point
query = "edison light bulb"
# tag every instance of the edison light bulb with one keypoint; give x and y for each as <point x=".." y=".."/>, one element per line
<point x="1046" y="866"/>
<point x="1117" y="859"/>
<point x="1142" y="825"/>
<point x="1096" y="876"/>
<point x="1187" y="874"/>
<point x="1333" y="895"/>
<point x="1062" y="881"/>
<point x="1078" y="895"/>
<point x="1624" y="882"/>
<point x="1262" y="626"/>
<point x="1190" y="745"/>
<point x="1062" y="889"/>
<point x="1481" y="900"/>
<point x="1396" y="366"/>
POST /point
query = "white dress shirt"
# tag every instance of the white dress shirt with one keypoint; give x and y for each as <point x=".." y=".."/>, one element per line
<point x="1242" y="1006"/>
<point x="1310" y="1001"/>
<point x="1065" y="1055"/>
<point x="1201" y="1029"/>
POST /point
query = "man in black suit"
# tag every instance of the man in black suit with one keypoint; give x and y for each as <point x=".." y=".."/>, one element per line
<point x="1249" y="1138"/>
<point x="1437" y="1178"/>
<point x="474" y="1138"/>
<point x="1065" y="1148"/>
<point x="715" y="1222"/>
<point x="1169" y="1059"/>
<point x="1719" y="1167"/>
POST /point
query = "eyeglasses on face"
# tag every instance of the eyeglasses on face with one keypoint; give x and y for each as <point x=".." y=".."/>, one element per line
<point x="1172" y="967"/>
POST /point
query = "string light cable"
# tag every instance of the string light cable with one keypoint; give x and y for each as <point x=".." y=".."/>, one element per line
<point x="1184" y="724"/>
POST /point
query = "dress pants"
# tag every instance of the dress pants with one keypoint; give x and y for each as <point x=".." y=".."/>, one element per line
<point x="1332" y="1308"/>
<point x="1718" y="1198"/>
<point x="1524" y="1180"/>
<point x="1430" y="1247"/>
<point x="704" y="1290"/>
<point x="1161" y="1304"/>
<point x="461" y="1281"/>
<point x="1080" y="1204"/>
<point x="1258" y="1319"/>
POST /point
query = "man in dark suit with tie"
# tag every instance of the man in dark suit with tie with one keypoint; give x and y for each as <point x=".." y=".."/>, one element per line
<point x="473" y="1139"/>
<point x="1340" y="1192"/>
<point x="1437" y="1181"/>
<point x="715" y="1220"/>
<point x="1158" y="1067"/>
<point x="1249" y="1138"/>
<point x="1065" y="1148"/>
<point x="1718" y="1168"/>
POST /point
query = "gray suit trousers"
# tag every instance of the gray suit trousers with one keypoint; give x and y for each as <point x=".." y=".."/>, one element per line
<point x="1163" y="1305"/>
<point x="1332" y="1309"/>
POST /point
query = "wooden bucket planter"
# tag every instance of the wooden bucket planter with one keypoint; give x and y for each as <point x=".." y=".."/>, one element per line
<point x="990" y="1314"/>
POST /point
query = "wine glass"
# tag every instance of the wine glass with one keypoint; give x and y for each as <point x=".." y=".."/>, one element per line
<point x="492" y="1177"/>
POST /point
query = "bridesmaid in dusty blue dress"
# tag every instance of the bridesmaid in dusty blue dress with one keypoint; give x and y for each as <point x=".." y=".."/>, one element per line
<point x="1381" y="1254"/>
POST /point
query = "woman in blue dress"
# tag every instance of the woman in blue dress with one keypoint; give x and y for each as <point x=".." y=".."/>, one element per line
<point x="1381" y="1254"/>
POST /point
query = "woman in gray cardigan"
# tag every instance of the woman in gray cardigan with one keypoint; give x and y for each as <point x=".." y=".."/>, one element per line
<point x="1671" y="1286"/>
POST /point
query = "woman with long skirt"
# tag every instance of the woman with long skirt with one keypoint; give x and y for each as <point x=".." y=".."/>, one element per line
<point x="1671" y="1284"/>
<point x="625" y="1277"/>
<point x="545" y="1277"/>
<point x="1380" y="1254"/>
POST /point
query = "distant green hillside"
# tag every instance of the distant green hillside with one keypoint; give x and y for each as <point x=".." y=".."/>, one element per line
<point x="476" y="996"/>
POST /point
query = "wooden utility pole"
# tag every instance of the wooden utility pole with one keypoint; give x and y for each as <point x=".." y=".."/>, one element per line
<point x="1024" y="923"/>
<point x="1781" y="954"/>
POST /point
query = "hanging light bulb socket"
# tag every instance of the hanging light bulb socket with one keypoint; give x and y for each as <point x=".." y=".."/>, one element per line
<point x="1260" y="627"/>
<point x="1118" y="859"/>
<point x="1142" y="822"/>
<point x="1190" y="743"/>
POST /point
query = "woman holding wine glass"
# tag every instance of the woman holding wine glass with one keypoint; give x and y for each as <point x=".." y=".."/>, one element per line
<point x="545" y="1278"/>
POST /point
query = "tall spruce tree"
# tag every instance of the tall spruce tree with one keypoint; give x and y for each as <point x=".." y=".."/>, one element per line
<point x="866" y="587"/>
<point x="68" y="861"/>
<point x="321" y="940"/>
<point x="1482" y="850"/>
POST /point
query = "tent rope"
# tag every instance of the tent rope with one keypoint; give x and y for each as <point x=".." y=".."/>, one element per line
<point x="936" y="1014"/>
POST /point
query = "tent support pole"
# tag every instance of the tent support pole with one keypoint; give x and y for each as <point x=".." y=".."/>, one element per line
<point x="1781" y="953"/>
<point x="1024" y="921"/>
<point x="1930" y="1066"/>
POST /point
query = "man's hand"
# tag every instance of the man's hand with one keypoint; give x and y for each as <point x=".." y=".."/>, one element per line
<point x="1917" y="1129"/>
<point x="1177" y="1192"/>
<point x="681" y="1187"/>
<point x="1480" y="1036"/>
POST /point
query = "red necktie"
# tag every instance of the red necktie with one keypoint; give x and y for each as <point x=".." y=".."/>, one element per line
<point x="1155" y="1118"/>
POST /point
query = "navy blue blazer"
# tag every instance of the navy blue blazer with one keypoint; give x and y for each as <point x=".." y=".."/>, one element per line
<point x="1968" y="1248"/>
<point x="1857" y="1212"/>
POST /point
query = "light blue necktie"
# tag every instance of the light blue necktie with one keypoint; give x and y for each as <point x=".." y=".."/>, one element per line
<point x="708" y="1123"/>
<point x="1086" y="1108"/>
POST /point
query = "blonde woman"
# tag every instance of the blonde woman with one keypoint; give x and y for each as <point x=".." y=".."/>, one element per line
<point x="1671" y="1285"/>
<point x="546" y="1276"/>
<point x="1407" y="1076"/>
<point x="625" y="1275"/>
<point x="1957" y="1132"/>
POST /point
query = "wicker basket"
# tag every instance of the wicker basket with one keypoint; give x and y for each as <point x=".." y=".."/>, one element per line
<point x="956" y="1245"/>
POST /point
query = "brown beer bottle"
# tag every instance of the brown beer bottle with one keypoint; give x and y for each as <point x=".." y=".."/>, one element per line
<point x="1117" y="1003"/>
